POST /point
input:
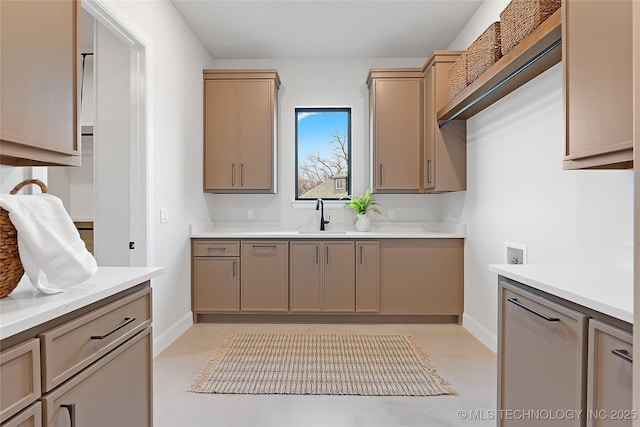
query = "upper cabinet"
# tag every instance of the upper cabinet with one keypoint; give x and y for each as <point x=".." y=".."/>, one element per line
<point x="445" y="149"/>
<point x="396" y="127"/>
<point x="598" y="84"/>
<point x="410" y="153"/>
<point x="40" y="62"/>
<point x="240" y="125"/>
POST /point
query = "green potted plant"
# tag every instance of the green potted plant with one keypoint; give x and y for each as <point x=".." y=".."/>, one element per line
<point x="362" y="205"/>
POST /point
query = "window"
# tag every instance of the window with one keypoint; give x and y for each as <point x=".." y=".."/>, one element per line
<point x="323" y="153"/>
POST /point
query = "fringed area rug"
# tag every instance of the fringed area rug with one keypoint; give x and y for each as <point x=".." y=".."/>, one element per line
<point x="366" y="365"/>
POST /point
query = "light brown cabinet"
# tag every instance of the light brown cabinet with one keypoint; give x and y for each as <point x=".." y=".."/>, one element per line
<point x="598" y="84"/>
<point x="367" y="277"/>
<point x="396" y="127"/>
<point x="240" y="124"/>
<point x="92" y="366"/>
<point x="445" y="149"/>
<point x="422" y="277"/>
<point x="265" y="276"/>
<point x="322" y="276"/>
<point x="115" y="391"/>
<point x="541" y="357"/>
<point x="215" y="276"/>
<point x="40" y="86"/>
<point x="609" y="376"/>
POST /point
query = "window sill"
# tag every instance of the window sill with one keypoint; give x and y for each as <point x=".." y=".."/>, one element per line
<point x="311" y="204"/>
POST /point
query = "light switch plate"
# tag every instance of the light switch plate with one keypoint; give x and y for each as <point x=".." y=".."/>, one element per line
<point x="164" y="215"/>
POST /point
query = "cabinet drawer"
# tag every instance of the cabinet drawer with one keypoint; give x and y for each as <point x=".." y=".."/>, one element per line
<point x="610" y="375"/>
<point x="30" y="417"/>
<point x="71" y="347"/>
<point x="216" y="248"/>
<point x="113" y="392"/>
<point x="20" y="374"/>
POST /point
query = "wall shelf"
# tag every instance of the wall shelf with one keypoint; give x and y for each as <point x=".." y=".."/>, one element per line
<point x="536" y="53"/>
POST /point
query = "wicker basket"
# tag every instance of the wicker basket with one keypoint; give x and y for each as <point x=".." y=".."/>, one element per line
<point x="10" y="265"/>
<point x="458" y="76"/>
<point x="483" y="52"/>
<point x="521" y="17"/>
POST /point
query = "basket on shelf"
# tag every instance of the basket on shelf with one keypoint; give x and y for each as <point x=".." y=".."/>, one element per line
<point x="483" y="52"/>
<point x="521" y="17"/>
<point x="10" y="264"/>
<point x="458" y="76"/>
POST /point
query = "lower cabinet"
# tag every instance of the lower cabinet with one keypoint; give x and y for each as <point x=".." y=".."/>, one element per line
<point x="541" y="358"/>
<point x="609" y="376"/>
<point x="382" y="277"/>
<point x="422" y="277"/>
<point x="215" y="276"/>
<point x="322" y="276"/>
<point x="560" y="363"/>
<point x="264" y="276"/>
<point x="91" y="367"/>
<point x="115" y="391"/>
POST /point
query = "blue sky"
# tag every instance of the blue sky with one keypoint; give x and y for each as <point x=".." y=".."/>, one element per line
<point x="315" y="130"/>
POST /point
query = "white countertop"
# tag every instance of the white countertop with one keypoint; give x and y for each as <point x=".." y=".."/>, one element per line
<point x="27" y="307"/>
<point x="606" y="289"/>
<point x="257" y="230"/>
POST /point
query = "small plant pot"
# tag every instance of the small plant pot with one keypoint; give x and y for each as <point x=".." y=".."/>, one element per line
<point x="363" y="222"/>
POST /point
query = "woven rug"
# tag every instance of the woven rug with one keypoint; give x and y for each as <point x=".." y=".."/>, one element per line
<point x="367" y="365"/>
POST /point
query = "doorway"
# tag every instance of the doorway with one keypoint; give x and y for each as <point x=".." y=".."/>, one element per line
<point x="110" y="189"/>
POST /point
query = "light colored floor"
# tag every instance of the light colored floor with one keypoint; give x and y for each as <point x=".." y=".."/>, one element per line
<point x="457" y="356"/>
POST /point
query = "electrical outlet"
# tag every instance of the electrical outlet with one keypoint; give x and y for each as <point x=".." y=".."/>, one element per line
<point x="391" y="214"/>
<point x="515" y="253"/>
<point x="250" y="214"/>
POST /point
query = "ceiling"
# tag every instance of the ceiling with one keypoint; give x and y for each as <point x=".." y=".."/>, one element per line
<point x="243" y="29"/>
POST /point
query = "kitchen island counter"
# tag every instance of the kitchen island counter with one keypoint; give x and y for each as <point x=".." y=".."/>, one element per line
<point x="27" y="307"/>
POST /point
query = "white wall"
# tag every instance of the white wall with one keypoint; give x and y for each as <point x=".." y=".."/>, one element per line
<point x="320" y="83"/>
<point x="175" y="59"/>
<point x="518" y="192"/>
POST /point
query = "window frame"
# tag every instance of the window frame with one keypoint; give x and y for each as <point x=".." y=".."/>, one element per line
<point x="346" y="110"/>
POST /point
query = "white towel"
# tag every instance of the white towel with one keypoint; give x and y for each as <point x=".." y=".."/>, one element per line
<point x="51" y="251"/>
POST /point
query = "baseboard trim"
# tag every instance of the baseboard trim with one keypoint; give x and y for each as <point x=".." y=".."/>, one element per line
<point x="170" y="335"/>
<point x="483" y="335"/>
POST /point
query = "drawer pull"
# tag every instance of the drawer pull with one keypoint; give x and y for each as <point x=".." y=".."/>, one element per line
<point x="623" y="354"/>
<point x="126" y="321"/>
<point x="264" y="246"/>
<point x="221" y="248"/>
<point x="545" y="317"/>
<point x="71" y="408"/>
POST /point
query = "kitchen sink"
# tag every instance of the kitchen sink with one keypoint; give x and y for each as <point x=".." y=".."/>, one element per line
<point x="321" y="232"/>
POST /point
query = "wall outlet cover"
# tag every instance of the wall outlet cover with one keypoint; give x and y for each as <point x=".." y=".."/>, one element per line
<point x="515" y="253"/>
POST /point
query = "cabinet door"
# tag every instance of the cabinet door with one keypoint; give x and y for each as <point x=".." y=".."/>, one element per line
<point x="216" y="284"/>
<point x="397" y="135"/>
<point x="610" y="376"/>
<point x="445" y="149"/>
<point x="422" y="277"/>
<point x="339" y="277"/>
<point x="255" y="134"/>
<point x="264" y="278"/>
<point x="220" y="134"/>
<point x="367" y="277"/>
<point x="39" y="85"/>
<point x="430" y="126"/>
<point x="115" y="391"/>
<point x="306" y="276"/>
<point x="541" y="357"/>
<point x="598" y="83"/>
<point x="30" y="417"/>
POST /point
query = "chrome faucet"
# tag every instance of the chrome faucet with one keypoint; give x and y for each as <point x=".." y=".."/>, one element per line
<point x="320" y="206"/>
